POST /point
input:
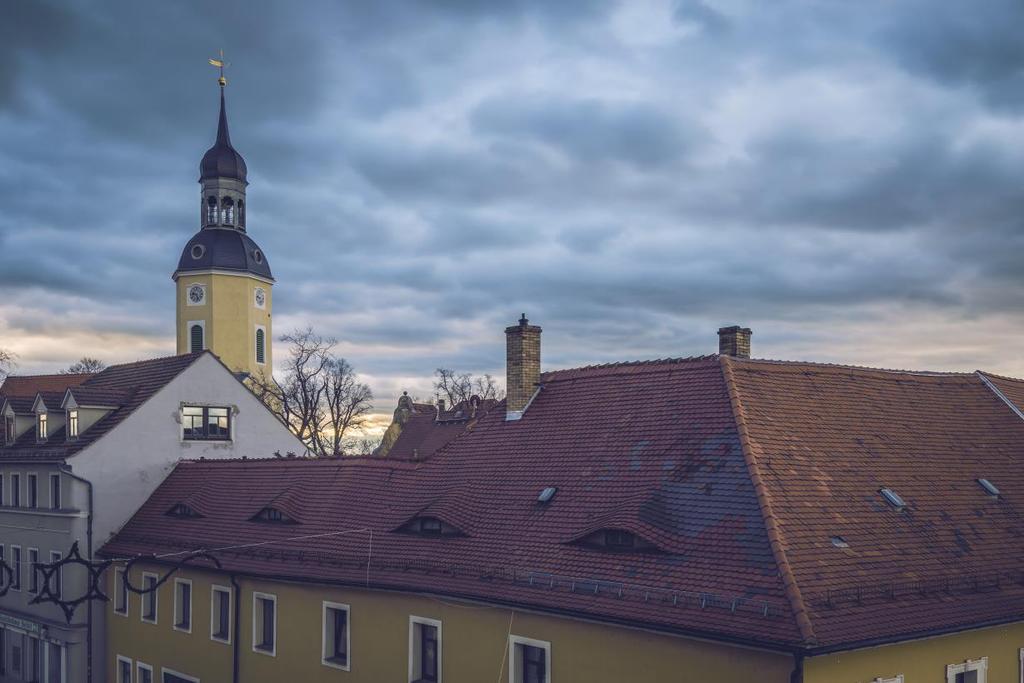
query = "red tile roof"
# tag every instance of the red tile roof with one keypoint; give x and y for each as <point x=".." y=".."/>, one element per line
<point x="30" y="385"/>
<point x="131" y="384"/>
<point x="739" y="472"/>
<point x="425" y="431"/>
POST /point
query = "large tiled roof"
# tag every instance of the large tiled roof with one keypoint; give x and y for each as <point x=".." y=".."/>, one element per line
<point x="30" y="385"/>
<point x="123" y="387"/>
<point x="426" y="431"/>
<point x="740" y="472"/>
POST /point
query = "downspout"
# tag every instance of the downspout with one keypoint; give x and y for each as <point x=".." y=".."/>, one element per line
<point x="237" y="634"/>
<point x="88" y="544"/>
<point x="798" y="669"/>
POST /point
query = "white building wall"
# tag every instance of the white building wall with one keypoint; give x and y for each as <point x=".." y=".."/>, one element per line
<point x="128" y="463"/>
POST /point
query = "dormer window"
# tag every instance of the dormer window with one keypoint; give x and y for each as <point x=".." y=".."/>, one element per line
<point x="429" y="526"/>
<point x="72" y="424"/>
<point x="182" y="510"/>
<point x="617" y="540"/>
<point x="273" y="515"/>
<point x="9" y="429"/>
<point x="41" y="426"/>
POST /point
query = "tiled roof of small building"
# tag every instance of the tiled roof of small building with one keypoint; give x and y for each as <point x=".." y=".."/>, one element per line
<point x="740" y="473"/>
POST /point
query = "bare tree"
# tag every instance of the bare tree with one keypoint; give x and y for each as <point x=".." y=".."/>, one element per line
<point x="319" y="396"/>
<point x="85" y="364"/>
<point x="456" y="387"/>
<point x="6" y="363"/>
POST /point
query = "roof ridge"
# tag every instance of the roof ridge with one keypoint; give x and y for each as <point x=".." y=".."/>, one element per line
<point x="848" y="366"/>
<point x="789" y="585"/>
<point x="679" y="360"/>
<point x="142" y="361"/>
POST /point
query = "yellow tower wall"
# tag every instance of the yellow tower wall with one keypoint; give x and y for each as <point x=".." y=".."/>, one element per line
<point x="230" y="315"/>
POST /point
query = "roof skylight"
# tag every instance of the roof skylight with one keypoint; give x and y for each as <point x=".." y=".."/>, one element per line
<point x="989" y="487"/>
<point x="547" y="494"/>
<point x="839" y="542"/>
<point x="893" y="498"/>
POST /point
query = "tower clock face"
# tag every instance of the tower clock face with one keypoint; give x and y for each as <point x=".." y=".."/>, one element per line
<point x="196" y="294"/>
<point x="261" y="297"/>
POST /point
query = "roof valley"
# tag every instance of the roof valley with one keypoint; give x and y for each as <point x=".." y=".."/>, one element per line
<point x="792" y="590"/>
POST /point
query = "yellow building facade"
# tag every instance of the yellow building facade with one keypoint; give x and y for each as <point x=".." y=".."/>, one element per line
<point x="476" y="642"/>
<point x="223" y="280"/>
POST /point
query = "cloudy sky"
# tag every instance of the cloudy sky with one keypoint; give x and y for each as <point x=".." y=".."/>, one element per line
<point x="847" y="178"/>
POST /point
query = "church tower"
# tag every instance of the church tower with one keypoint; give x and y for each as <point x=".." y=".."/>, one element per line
<point x="223" y="279"/>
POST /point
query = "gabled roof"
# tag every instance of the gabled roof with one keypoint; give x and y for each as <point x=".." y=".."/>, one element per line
<point x="30" y="385"/>
<point x="427" y="430"/>
<point x="740" y="472"/>
<point x="133" y="383"/>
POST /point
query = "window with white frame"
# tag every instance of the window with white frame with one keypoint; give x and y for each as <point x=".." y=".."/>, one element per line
<point x="335" y="635"/>
<point x="171" y="676"/>
<point x="424" y="650"/>
<point x="120" y="592"/>
<point x="220" y="614"/>
<point x="124" y="670"/>
<point x="41" y="427"/>
<point x="55" y="497"/>
<point x="2" y="499"/>
<point x="529" y="660"/>
<point x="73" y="424"/>
<point x="32" y="490"/>
<point x="261" y="344"/>
<point x="183" y="605"/>
<point x="895" y="679"/>
<point x="33" y="570"/>
<point x="16" y="490"/>
<point x="15" y="568"/>
<point x="264" y="623"/>
<point x="971" y="671"/>
<point x="57" y="575"/>
<point x="149" y="598"/>
<point x="144" y="673"/>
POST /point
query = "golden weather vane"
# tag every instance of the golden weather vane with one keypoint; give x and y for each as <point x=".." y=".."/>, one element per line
<point x="220" y="64"/>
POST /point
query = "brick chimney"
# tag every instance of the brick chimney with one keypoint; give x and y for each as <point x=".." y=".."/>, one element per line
<point x="522" y="366"/>
<point x="734" y="341"/>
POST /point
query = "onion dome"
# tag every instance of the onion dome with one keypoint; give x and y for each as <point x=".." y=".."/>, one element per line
<point x="222" y="160"/>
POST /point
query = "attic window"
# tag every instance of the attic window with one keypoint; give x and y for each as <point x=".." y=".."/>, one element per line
<point x="617" y="540"/>
<point x="893" y="499"/>
<point x="429" y="526"/>
<point x="273" y="515"/>
<point x="989" y="487"/>
<point x="182" y="510"/>
<point x="547" y="494"/>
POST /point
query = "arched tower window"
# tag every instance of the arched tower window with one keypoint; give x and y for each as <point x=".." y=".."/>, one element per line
<point x="261" y="351"/>
<point x="241" y="213"/>
<point x="196" y="338"/>
<point x="228" y="212"/>
<point x="211" y="211"/>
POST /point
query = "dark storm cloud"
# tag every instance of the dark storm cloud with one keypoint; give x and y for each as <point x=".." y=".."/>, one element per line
<point x="631" y="174"/>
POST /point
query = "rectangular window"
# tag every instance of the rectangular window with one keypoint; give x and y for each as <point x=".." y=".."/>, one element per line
<point x="971" y="671"/>
<point x="58" y="575"/>
<point x="424" y="650"/>
<point x="32" y="484"/>
<point x="149" y="598"/>
<point x="529" y="660"/>
<point x="72" y="424"/>
<point x="183" y="605"/>
<point x="220" y="614"/>
<point x="55" y="501"/>
<point x="170" y="676"/>
<point x="2" y="489"/>
<point x="120" y="592"/>
<point x="16" y="490"/>
<point x="33" y="569"/>
<point x="205" y="423"/>
<point x="3" y="580"/>
<point x="41" y="426"/>
<point x="34" y="665"/>
<point x="124" y="670"/>
<point x="264" y="623"/>
<point x="335" y="635"/>
<point x="145" y="672"/>
<point x="9" y="433"/>
<point x="55" y="663"/>
<point x="15" y="568"/>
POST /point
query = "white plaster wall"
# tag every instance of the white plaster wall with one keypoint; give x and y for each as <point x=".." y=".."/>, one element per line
<point x="128" y="463"/>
